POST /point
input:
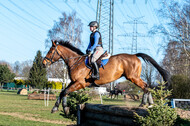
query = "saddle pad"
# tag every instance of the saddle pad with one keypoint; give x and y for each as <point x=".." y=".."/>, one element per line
<point x="103" y="63"/>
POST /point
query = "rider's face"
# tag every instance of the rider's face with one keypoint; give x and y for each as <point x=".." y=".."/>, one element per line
<point x="92" y="28"/>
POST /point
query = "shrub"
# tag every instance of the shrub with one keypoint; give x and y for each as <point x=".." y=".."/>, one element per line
<point x="54" y="85"/>
<point x="76" y="98"/>
<point x="180" y="86"/>
<point x="19" y="82"/>
<point x="160" y="114"/>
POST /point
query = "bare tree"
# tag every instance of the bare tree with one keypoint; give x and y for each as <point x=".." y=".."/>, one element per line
<point x="16" y="68"/>
<point x="68" y="28"/>
<point x="25" y="68"/>
<point x="175" y="59"/>
<point x="175" y="29"/>
<point x="148" y="74"/>
<point x="176" y="24"/>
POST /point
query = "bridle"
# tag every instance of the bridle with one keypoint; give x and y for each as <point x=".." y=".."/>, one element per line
<point x="51" y="60"/>
<point x="72" y="67"/>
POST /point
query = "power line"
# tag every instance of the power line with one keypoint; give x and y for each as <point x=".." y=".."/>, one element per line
<point x="21" y="17"/>
<point x="54" y="6"/>
<point x="77" y="13"/>
<point x="50" y="6"/>
<point x="134" y="34"/>
<point x="28" y="13"/>
<point x="21" y="31"/>
<point x="41" y="9"/>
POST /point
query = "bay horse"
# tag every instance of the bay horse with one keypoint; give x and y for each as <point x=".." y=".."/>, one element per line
<point x="118" y="66"/>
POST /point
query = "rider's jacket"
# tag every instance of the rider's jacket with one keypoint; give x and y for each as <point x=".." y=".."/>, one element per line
<point x="95" y="40"/>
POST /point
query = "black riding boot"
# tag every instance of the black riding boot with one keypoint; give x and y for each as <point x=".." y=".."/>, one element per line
<point x="95" y="74"/>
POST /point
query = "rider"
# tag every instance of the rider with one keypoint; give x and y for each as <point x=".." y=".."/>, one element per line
<point x="95" y="46"/>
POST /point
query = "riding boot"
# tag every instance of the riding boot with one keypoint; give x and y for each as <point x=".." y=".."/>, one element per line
<point x="95" y="74"/>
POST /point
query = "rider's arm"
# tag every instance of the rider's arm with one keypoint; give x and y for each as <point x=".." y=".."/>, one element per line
<point x="96" y="39"/>
<point x="88" y="49"/>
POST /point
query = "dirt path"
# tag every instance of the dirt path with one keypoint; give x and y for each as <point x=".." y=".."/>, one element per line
<point x="32" y="118"/>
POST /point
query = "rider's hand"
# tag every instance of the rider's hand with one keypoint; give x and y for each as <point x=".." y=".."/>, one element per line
<point x="89" y="53"/>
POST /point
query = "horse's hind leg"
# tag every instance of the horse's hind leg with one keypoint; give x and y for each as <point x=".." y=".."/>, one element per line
<point x="147" y="96"/>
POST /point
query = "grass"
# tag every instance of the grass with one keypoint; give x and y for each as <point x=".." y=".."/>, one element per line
<point x="17" y="110"/>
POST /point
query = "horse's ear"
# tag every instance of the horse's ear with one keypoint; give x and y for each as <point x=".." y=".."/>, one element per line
<point x="53" y="43"/>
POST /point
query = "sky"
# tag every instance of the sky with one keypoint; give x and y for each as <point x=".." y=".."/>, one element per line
<point x="24" y="25"/>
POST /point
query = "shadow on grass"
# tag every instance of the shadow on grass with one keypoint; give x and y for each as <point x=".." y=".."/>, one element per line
<point x="182" y="122"/>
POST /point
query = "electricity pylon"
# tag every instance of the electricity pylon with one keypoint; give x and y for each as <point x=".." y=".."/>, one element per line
<point x="105" y="15"/>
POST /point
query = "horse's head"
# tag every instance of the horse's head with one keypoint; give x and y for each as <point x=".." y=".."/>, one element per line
<point x="52" y="55"/>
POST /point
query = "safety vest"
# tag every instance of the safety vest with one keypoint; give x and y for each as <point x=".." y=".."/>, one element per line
<point x="92" y="39"/>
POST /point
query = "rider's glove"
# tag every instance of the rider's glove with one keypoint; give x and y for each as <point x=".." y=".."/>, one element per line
<point x="88" y="52"/>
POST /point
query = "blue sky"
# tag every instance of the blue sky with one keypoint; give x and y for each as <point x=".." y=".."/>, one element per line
<point x="24" y="25"/>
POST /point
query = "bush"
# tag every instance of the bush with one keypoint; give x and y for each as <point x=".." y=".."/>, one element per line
<point x="180" y="86"/>
<point x="54" y="85"/>
<point x="76" y="98"/>
<point x="160" y="114"/>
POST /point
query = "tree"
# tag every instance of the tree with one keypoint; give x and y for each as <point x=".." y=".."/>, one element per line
<point x="68" y="28"/>
<point x="160" y="114"/>
<point x="37" y="75"/>
<point x="180" y="86"/>
<point x="175" y="30"/>
<point x="5" y="74"/>
<point x="176" y="20"/>
<point x="175" y="59"/>
<point x="148" y="74"/>
<point x="56" y="70"/>
<point x="25" y="68"/>
<point x="17" y="68"/>
<point x="129" y="87"/>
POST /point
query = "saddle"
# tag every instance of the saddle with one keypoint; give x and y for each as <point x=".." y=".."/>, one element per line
<point x="101" y="61"/>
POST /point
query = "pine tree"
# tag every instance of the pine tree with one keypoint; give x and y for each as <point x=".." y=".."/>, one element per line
<point x="37" y="75"/>
<point x="159" y="114"/>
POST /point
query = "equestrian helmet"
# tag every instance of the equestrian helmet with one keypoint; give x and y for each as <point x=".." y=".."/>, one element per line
<point x="93" y="23"/>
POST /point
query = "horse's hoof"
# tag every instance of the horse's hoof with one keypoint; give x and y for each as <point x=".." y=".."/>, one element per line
<point x="54" y="109"/>
<point x="141" y="105"/>
<point x="66" y="110"/>
<point x="150" y="106"/>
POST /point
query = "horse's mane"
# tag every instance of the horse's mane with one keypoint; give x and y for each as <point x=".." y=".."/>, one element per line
<point x="70" y="46"/>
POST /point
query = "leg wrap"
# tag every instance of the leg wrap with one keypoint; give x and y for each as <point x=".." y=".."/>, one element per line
<point x="150" y="100"/>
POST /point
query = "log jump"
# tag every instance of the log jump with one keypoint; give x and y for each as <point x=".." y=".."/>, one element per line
<point x="107" y="115"/>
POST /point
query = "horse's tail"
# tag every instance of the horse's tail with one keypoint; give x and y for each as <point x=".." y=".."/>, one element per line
<point x="165" y="74"/>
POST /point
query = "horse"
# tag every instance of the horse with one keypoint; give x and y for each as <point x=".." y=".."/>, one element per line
<point x="115" y="93"/>
<point x="127" y="65"/>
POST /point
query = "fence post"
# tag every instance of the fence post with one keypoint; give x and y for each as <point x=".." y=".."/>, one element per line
<point x="80" y="114"/>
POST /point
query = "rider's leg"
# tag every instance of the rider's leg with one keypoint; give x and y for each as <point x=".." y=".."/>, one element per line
<point x="95" y="75"/>
<point x="98" y="52"/>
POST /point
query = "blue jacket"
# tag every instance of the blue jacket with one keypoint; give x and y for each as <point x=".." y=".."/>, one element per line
<point x="95" y="40"/>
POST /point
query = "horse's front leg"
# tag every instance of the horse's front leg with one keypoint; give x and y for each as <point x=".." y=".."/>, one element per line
<point x="72" y="87"/>
<point x="57" y="103"/>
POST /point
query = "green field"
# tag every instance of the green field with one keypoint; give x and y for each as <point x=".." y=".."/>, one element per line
<point x="17" y="110"/>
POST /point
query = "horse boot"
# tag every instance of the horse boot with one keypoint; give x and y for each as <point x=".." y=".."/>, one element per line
<point x="95" y="74"/>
